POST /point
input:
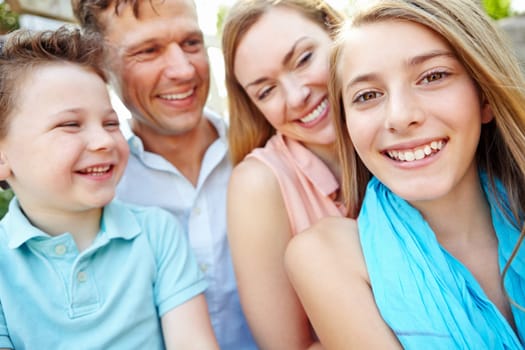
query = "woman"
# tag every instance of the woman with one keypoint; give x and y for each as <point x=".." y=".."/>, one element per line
<point x="282" y="143"/>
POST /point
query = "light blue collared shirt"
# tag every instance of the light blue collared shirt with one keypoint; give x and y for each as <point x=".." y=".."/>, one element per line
<point x="150" y="179"/>
<point x="109" y="296"/>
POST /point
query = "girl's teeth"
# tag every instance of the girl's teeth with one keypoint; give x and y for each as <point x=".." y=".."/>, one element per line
<point x="409" y="156"/>
<point x="417" y="154"/>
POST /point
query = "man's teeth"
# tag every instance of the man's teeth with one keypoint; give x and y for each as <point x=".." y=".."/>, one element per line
<point x="98" y="170"/>
<point x="417" y="153"/>
<point x="178" y="96"/>
<point x="316" y="112"/>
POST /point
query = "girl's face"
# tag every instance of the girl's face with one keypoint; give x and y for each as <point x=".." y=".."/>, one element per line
<point x="282" y="63"/>
<point x="64" y="151"/>
<point x="412" y="111"/>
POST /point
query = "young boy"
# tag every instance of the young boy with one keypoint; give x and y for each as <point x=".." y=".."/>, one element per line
<point x="77" y="268"/>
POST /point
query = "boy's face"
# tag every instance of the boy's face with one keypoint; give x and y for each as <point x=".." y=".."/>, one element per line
<point x="64" y="151"/>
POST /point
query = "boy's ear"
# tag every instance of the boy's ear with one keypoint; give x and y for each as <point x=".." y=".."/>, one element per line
<point x="5" y="169"/>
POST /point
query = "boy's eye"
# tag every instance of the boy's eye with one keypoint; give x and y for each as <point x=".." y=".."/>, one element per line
<point x="69" y="124"/>
<point x="112" y="124"/>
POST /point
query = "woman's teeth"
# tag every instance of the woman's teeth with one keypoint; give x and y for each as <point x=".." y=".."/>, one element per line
<point x="318" y="111"/>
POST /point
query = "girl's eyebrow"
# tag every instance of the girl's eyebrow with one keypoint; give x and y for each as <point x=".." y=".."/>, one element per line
<point x="428" y="56"/>
<point x="414" y="61"/>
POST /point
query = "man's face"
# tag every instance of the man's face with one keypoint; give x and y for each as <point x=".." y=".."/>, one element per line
<point x="159" y="64"/>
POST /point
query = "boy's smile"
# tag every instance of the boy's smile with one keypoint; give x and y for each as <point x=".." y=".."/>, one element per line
<point x="64" y="148"/>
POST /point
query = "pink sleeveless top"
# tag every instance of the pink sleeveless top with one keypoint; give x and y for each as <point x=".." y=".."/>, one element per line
<point x="306" y="183"/>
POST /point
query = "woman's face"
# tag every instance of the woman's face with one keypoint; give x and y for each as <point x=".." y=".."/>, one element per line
<point x="282" y="63"/>
<point x="413" y="112"/>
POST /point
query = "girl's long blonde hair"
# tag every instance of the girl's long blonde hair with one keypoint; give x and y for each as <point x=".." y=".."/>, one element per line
<point x="486" y="54"/>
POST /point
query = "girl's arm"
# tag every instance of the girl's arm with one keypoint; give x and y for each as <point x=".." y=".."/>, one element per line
<point x="258" y="233"/>
<point x="188" y="326"/>
<point x="327" y="268"/>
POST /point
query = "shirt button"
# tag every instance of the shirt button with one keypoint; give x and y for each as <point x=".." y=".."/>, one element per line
<point x="82" y="276"/>
<point x="60" y="249"/>
<point x="203" y="267"/>
<point x="197" y="211"/>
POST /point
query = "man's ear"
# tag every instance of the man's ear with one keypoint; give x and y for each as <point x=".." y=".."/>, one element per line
<point x="5" y="169"/>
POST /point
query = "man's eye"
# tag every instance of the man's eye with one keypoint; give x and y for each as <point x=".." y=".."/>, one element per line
<point x="192" y="45"/>
<point x="146" y="53"/>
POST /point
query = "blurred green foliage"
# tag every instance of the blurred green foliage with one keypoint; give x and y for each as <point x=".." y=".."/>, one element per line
<point x="8" y="19"/>
<point x="5" y="198"/>
<point x="221" y="15"/>
<point x="497" y="9"/>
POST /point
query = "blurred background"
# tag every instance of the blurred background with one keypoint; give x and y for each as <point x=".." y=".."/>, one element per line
<point x="49" y="14"/>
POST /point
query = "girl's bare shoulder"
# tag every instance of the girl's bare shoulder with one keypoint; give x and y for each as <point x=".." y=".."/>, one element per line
<point x="332" y="240"/>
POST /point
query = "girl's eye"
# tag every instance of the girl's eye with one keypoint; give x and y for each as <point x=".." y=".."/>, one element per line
<point x="367" y="96"/>
<point x="433" y="76"/>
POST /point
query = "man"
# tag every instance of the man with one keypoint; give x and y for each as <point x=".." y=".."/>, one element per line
<point x="159" y="67"/>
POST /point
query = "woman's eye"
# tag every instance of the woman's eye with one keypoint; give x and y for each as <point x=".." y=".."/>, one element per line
<point x="264" y="93"/>
<point x="304" y="58"/>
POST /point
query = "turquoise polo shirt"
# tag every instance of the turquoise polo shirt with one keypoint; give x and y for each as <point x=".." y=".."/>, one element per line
<point x="110" y="296"/>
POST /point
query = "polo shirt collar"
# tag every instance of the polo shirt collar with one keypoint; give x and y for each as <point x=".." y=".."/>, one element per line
<point x="117" y="222"/>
